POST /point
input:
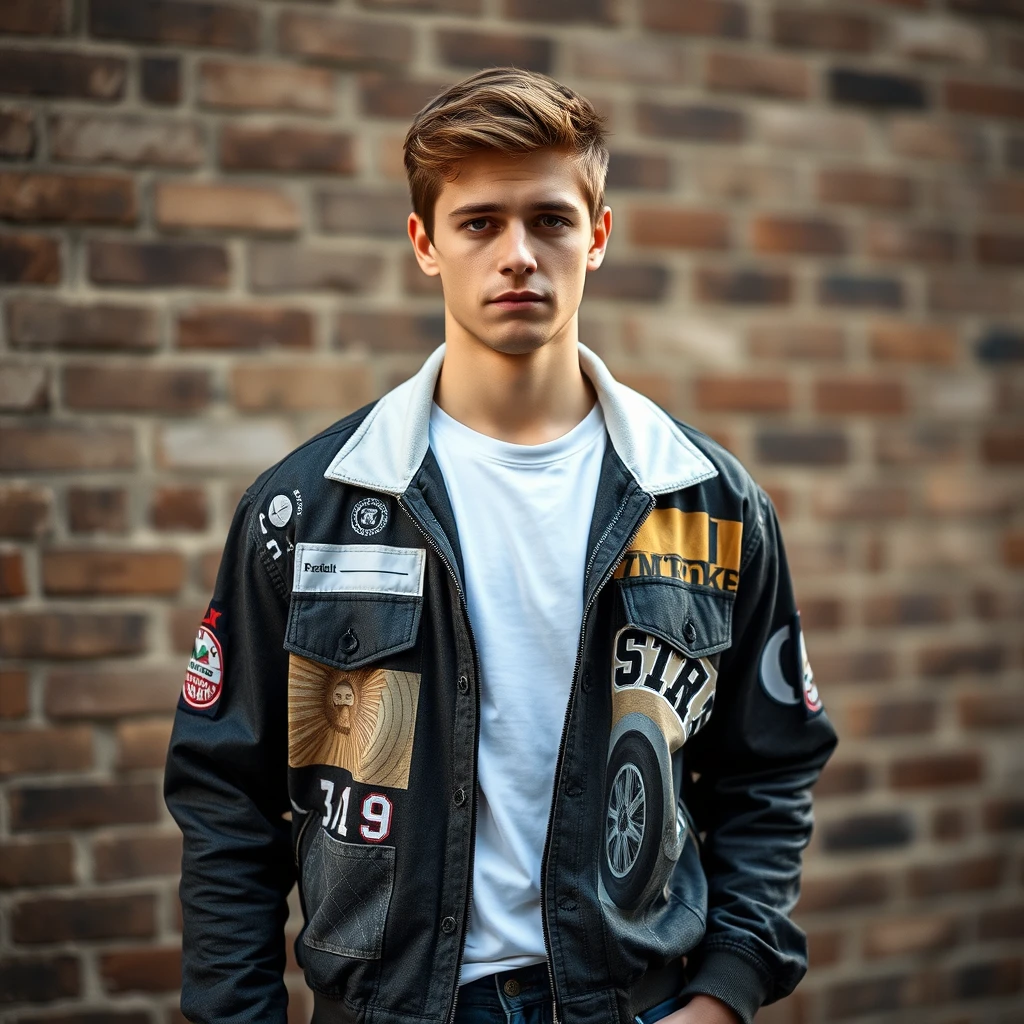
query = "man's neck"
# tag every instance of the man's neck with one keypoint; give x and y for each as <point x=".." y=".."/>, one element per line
<point x="525" y="399"/>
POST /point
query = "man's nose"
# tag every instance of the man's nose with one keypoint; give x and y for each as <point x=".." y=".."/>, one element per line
<point x="517" y="257"/>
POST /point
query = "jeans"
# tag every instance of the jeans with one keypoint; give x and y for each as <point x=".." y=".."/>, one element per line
<point x="523" y="996"/>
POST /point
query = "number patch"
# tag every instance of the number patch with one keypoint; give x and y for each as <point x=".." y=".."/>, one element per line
<point x="375" y="812"/>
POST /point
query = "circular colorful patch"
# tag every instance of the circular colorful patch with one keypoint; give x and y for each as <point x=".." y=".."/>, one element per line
<point x="205" y="672"/>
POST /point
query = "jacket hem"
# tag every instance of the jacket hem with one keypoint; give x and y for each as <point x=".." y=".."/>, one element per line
<point x="732" y="979"/>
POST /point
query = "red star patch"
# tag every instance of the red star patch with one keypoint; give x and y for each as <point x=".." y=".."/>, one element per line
<point x="212" y="615"/>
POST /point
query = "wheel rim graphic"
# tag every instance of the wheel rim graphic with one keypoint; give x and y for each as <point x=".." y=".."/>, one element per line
<point x="627" y="816"/>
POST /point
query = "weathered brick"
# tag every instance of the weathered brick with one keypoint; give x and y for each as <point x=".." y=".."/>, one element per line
<point x="147" y="389"/>
<point x="632" y="281"/>
<point x="242" y="447"/>
<point x="17" y="134"/>
<point x="288" y="268"/>
<point x="876" y="90"/>
<point x="865" y="501"/>
<point x="971" y="874"/>
<point x="678" y="229"/>
<point x="254" y="208"/>
<point x="58" y="73"/>
<point x="809" y="28"/>
<point x="695" y="122"/>
<point x="263" y="86"/>
<point x="855" y="666"/>
<point x="938" y="39"/>
<point x="263" y="387"/>
<point x="868" y="718"/>
<point x="415" y="282"/>
<point x="61" y="197"/>
<point x="1003" y="815"/>
<point x="797" y="341"/>
<point x="34" y="17"/>
<point x="970" y="291"/>
<point x="831" y="131"/>
<point x="587" y="11"/>
<point x="983" y="98"/>
<point x="160" y="80"/>
<point x="84" y="918"/>
<point x="988" y="710"/>
<point x="999" y="248"/>
<point x="1004" y="196"/>
<point x="989" y="8"/>
<point x="172" y="22"/>
<point x="865" y="888"/>
<point x="874" y="291"/>
<point x="947" y="660"/>
<point x="920" y="933"/>
<point x="25" y="511"/>
<point x="24" y="388"/>
<point x="1003" y="446"/>
<point x="42" y="323"/>
<point x="453" y="6"/>
<point x="742" y="181"/>
<point x="39" y="979"/>
<point x="305" y="150"/>
<point x="120" y="857"/>
<point x="650" y="61"/>
<point x="1013" y="549"/>
<point x="908" y="609"/>
<point x="758" y="75"/>
<point x="95" y="1017"/>
<point x="32" y="751"/>
<point x="802" y="447"/>
<point x="725" y="18"/>
<point x="882" y="830"/>
<point x="179" y="508"/>
<point x="742" y="394"/>
<point x="949" y="824"/>
<point x="1002" y="923"/>
<point x="388" y="332"/>
<point x="79" y="572"/>
<point x="889" y="240"/>
<point x="141" y="970"/>
<point x="865" y="188"/>
<point x="742" y="287"/>
<point x="143" y="744"/>
<point x="25" y="864"/>
<point x="88" y="805"/>
<point x="999" y="345"/>
<point x="387" y="96"/>
<point x="245" y="327"/>
<point x="13" y="693"/>
<point x="61" y="635"/>
<point x="361" y="212"/>
<point x="638" y="171"/>
<point x="29" y="259"/>
<point x="114" y="693"/>
<point x="12" y="576"/>
<point x="464" y="49"/>
<point x="841" y="778"/>
<point x="64" y="446"/>
<point x="98" y="510"/>
<point x="125" y="139"/>
<point x="913" y="343"/>
<point x="926" y="139"/>
<point x="870" y="396"/>
<point x="348" y="42"/>
<point x="934" y="771"/>
<point x="158" y="264"/>
<point x="782" y="234"/>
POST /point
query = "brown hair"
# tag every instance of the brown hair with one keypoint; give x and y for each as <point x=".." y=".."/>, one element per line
<point x="510" y="110"/>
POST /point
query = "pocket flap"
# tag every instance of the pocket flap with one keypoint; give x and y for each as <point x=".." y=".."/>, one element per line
<point x="695" y="620"/>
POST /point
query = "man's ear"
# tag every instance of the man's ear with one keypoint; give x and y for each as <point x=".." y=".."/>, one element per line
<point x="422" y="246"/>
<point x="599" y="241"/>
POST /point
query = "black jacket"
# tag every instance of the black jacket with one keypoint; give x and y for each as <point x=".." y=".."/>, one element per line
<point x="327" y="732"/>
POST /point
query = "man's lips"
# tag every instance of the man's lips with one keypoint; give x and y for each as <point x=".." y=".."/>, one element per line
<point x="517" y="300"/>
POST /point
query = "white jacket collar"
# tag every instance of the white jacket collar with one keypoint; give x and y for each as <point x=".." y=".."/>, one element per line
<point x="388" y="447"/>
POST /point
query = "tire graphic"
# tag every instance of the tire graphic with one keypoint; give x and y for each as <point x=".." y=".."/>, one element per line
<point x="633" y="818"/>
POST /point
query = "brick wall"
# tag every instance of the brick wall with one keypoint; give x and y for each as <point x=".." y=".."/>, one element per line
<point x="818" y="257"/>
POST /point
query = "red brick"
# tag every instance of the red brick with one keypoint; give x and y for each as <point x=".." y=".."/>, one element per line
<point x="77" y="573"/>
<point x="17" y="134"/>
<point x="275" y="267"/>
<point x="924" y="138"/>
<point x="32" y="751"/>
<point x="949" y="824"/>
<point x="13" y="693"/>
<point x="454" y="6"/>
<point x="808" y="28"/>
<point x="639" y="171"/>
<point x="98" y="510"/>
<point x="999" y="249"/>
<point x="844" y="396"/>
<point x="158" y="264"/>
<point x="725" y="18"/>
<point x="29" y="259"/>
<point x="48" y="862"/>
<point x="842" y="892"/>
<point x="39" y="979"/>
<point x="983" y="98"/>
<point x="141" y="970"/>
<point x="172" y="22"/>
<point x="678" y="229"/>
<point x="143" y="744"/>
<point x="348" y="42"/>
<point x="127" y="139"/>
<point x="226" y="207"/>
<point x="114" y="692"/>
<point x="695" y="122"/>
<point x="12" y="574"/>
<point x="233" y="85"/>
<point x="909" y="609"/>
<point x="58" y="73"/>
<point x="972" y="874"/>
<point x="179" y="508"/>
<point x="879" y="189"/>
<point x="120" y="857"/>
<point x="88" y="805"/>
<point x="24" y="388"/>
<point x="34" y="17"/>
<point x="58" y="447"/>
<point x="1002" y="923"/>
<point x="474" y="50"/>
<point x="271" y="388"/>
<point x="389" y="97"/>
<point x="868" y="718"/>
<point x="1003" y="815"/>
<point x="1002" y="446"/>
<point x="758" y="75"/>
<point x="139" y="390"/>
<point x="742" y="394"/>
<point x="1003" y="196"/>
<point x="742" y="287"/>
<point x="935" y="771"/>
<point x="841" y="778"/>
<point x="74" y="199"/>
<point x="245" y="327"/>
<point x="888" y="240"/>
<point x="84" y="918"/>
<point x="899" y="936"/>
<point x="588" y="11"/>
<point x="42" y="323"/>
<point x="288" y="149"/>
<point x="913" y="343"/>
<point x="797" y="235"/>
<point x="54" y="634"/>
<point x="1013" y="548"/>
<point x="389" y="332"/>
<point x="988" y="710"/>
<point x="160" y="80"/>
<point x="797" y="341"/>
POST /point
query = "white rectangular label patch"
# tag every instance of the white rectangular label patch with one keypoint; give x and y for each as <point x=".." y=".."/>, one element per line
<point x="358" y="569"/>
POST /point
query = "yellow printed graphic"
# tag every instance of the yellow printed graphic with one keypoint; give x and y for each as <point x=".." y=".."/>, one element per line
<point x="362" y="721"/>
<point x="690" y="546"/>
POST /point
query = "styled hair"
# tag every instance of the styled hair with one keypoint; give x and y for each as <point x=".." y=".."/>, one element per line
<point x="509" y="110"/>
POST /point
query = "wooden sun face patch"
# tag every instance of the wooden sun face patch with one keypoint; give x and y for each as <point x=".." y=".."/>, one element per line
<point x="362" y="720"/>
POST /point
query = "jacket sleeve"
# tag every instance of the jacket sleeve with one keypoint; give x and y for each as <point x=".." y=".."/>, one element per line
<point x="226" y="787"/>
<point x="757" y="759"/>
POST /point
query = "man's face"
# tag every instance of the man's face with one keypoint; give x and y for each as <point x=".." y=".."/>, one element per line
<point x="512" y="244"/>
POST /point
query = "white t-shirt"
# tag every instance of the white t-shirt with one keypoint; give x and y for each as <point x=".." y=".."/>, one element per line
<point x="523" y="514"/>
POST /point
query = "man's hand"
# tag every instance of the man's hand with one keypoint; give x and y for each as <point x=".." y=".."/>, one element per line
<point x="702" y="1010"/>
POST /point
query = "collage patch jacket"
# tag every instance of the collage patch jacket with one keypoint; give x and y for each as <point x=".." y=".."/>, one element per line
<point x="327" y="734"/>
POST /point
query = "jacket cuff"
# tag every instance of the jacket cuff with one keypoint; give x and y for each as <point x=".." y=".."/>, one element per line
<point x="732" y="979"/>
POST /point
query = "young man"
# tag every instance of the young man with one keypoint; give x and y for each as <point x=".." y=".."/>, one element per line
<point x="506" y="667"/>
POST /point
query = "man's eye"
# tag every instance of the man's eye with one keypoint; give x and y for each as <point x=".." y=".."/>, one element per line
<point x="476" y="225"/>
<point x="549" y="220"/>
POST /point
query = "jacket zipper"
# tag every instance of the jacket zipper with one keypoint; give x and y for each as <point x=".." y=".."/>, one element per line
<point x="565" y="727"/>
<point x="476" y="741"/>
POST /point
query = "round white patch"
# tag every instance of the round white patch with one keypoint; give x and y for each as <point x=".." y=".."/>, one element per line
<point x="369" y="516"/>
<point x="773" y="679"/>
<point x="280" y="510"/>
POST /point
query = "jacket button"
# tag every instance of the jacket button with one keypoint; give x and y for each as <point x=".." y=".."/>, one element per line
<point x="573" y="790"/>
<point x="689" y="632"/>
<point x="586" y="681"/>
<point x="512" y="987"/>
<point x="349" y="641"/>
<point x="567" y="903"/>
<point x="459" y="797"/>
<point x="448" y="925"/>
<point x="463" y="684"/>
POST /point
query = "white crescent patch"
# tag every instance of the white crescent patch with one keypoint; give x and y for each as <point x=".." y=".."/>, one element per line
<point x="773" y="679"/>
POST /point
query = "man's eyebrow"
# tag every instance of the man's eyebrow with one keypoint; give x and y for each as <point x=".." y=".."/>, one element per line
<point x="555" y="205"/>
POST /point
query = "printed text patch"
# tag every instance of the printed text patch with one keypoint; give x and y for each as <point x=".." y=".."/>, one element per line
<point x="358" y="568"/>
